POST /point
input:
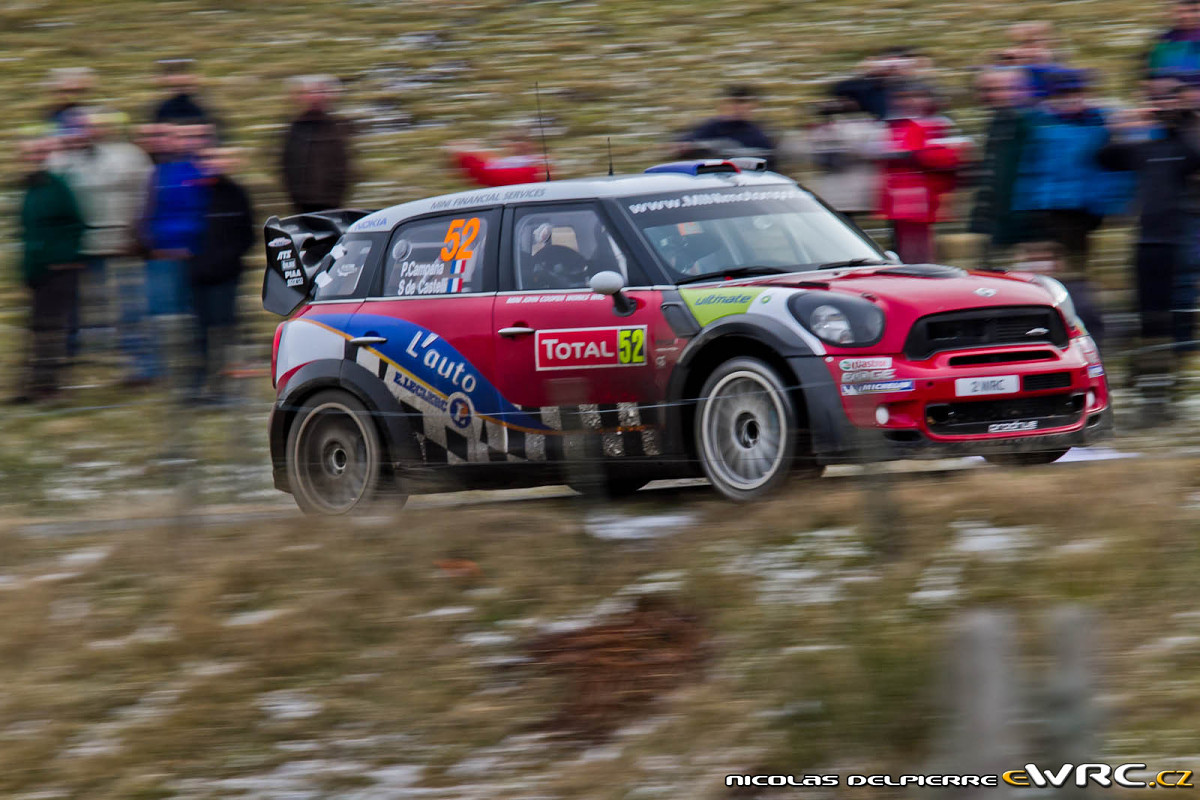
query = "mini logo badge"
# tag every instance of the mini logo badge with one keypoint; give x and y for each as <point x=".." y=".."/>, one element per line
<point x="984" y="291"/>
<point x="280" y="241"/>
<point x="1037" y="331"/>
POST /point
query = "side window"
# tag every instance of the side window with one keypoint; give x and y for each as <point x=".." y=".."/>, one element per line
<point x="563" y="247"/>
<point x="439" y="255"/>
<point x="346" y="263"/>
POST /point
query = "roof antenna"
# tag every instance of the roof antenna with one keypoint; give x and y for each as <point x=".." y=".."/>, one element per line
<point x="610" y="164"/>
<point x="542" y="129"/>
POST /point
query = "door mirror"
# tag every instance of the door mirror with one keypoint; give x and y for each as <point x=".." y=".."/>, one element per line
<point x="611" y="283"/>
<point x="607" y="282"/>
<point x="892" y="257"/>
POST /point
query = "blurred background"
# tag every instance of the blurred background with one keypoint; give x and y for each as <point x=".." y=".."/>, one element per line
<point x="170" y="625"/>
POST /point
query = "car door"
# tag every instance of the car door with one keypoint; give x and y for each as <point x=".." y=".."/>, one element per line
<point x="569" y="356"/>
<point x="427" y="332"/>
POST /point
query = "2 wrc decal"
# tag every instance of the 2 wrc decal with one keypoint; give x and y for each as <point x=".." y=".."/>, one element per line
<point x="591" y="348"/>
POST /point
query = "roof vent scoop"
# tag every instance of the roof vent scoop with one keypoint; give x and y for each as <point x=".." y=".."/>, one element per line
<point x="707" y="166"/>
<point x="749" y="164"/>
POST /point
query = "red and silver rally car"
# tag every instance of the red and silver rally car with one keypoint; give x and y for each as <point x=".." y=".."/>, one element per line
<point x="705" y="318"/>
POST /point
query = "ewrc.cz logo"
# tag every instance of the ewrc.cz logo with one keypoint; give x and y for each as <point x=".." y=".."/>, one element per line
<point x="1100" y="774"/>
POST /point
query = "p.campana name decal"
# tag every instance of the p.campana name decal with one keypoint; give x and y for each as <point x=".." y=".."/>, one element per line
<point x="712" y="199"/>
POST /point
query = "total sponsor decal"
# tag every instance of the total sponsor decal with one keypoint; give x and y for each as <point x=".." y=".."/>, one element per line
<point x="878" y="387"/>
<point x="708" y="305"/>
<point x="591" y="348"/>
<point x="1096" y="371"/>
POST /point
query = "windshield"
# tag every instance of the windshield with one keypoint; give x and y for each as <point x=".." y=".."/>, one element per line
<point x="769" y="229"/>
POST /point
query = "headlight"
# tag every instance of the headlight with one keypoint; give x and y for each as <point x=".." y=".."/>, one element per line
<point x="1062" y="300"/>
<point x="831" y="325"/>
<point x="842" y="320"/>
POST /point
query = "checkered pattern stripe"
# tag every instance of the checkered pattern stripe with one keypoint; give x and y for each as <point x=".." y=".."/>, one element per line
<point x="615" y="430"/>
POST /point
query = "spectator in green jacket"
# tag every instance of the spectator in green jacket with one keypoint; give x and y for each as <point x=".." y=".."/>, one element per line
<point x="51" y="233"/>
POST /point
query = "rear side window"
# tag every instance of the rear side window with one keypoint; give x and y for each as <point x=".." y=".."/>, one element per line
<point x="347" y="261"/>
<point x="440" y="255"/>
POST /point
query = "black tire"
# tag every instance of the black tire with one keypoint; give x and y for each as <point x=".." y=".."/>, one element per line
<point x="745" y="429"/>
<point x="334" y="454"/>
<point x="1031" y="459"/>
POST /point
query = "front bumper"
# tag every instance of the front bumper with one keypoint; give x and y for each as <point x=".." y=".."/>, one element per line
<point x="870" y="408"/>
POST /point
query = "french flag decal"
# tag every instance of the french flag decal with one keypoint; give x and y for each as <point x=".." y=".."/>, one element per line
<point x="454" y="284"/>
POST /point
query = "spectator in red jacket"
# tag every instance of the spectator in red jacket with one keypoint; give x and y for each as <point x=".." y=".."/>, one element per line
<point x="519" y="162"/>
<point x="919" y="166"/>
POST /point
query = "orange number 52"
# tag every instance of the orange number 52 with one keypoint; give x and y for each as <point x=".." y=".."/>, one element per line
<point x="459" y="238"/>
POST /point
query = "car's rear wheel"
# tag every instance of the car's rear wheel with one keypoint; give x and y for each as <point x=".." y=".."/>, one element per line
<point x="334" y="454"/>
<point x="1030" y="459"/>
<point x="745" y="429"/>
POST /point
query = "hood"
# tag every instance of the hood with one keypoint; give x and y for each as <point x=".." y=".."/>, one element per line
<point x="925" y="289"/>
<point x="904" y="293"/>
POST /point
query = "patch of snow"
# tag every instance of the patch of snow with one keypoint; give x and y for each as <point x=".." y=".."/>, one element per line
<point x="85" y="557"/>
<point x="937" y="586"/>
<point x="248" y="618"/>
<point x="980" y="539"/>
<point x="621" y="528"/>
<point x="445" y="611"/>
<point x="286" y="705"/>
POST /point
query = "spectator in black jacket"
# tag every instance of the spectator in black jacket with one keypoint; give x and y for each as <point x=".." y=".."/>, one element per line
<point x="177" y="76"/>
<point x="733" y="132"/>
<point x="215" y="270"/>
<point x="316" y="152"/>
<point x="1156" y="144"/>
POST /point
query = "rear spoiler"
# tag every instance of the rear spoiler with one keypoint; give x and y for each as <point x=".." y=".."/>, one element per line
<point x="295" y="247"/>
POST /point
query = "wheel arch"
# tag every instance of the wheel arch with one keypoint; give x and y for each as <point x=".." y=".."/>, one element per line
<point x="764" y="339"/>
<point x="391" y="423"/>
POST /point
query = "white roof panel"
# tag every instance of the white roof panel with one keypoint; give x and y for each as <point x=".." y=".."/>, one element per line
<point x="565" y="190"/>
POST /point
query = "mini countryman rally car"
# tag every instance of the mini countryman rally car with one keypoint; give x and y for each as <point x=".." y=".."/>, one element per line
<point x="706" y="318"/>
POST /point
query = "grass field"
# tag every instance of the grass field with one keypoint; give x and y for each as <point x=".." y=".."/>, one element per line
<point x="389" y="655"/>
<point x="393" y="655"/>
<point x="430" y="655"/>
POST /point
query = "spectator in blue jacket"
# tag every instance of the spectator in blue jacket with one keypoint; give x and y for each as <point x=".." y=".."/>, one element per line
<point x="173" y="227"/>
<point x="1060" y="180"/>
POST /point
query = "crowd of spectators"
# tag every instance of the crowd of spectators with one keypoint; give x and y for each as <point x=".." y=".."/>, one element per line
<point x="127" y="230"/>
<point x="132" y="237"/>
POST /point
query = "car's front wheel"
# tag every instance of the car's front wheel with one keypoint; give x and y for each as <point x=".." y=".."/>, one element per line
<point x="745" y="429"/>
<point x="334" y="454"/>
<point x="1030" y="459"/>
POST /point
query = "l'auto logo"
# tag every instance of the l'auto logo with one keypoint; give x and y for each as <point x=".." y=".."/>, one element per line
<point x="984" y="291"/>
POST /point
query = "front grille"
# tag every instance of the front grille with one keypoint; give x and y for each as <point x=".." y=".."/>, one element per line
<point x="1049" y="380"/>
<point x="1005" y="357"/>
<point x="1021" y="414"/>
<point x="984" y="327"/>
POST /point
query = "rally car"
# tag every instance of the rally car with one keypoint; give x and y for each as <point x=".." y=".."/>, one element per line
<point x="705" y="318"/>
